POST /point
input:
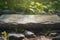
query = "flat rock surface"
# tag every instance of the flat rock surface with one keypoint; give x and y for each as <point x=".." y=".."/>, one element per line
<point x="23" y="19"/>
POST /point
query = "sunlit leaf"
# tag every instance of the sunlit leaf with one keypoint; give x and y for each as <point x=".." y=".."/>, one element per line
<point x="31" y="9"/>
<point x="32" y="3"/>
<point x="30" y="6"/>
<point x="44" y="6"/>
<point x="48" y="5"/>
<point x="38" y="3"/>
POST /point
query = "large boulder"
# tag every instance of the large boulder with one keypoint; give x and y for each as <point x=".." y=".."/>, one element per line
<point x="30" y="22"/>
<point x="24" y="19"/>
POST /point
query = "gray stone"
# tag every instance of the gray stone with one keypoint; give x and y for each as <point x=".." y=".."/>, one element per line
<point x="7" y="11"/>
<point x="24" y="19"/>
<point x="29" y="34"/>
<point x="16" y="36"/>
<point x="56" y="38"/>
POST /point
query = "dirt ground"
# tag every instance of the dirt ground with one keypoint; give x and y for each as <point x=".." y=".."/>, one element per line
<point x="39" y="38"/>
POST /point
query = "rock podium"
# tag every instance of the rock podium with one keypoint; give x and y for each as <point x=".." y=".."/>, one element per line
<point x="29" y="21"/>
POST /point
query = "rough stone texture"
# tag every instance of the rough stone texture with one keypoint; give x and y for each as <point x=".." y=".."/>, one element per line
<point x="23" y="19"/>
<point x="29" y="22"/>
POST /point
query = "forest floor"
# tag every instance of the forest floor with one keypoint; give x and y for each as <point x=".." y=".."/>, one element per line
<point x="35" y="38"/>
<point x="39" y="38"/>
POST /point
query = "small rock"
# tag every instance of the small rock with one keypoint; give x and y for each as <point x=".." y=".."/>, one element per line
<point x="17" y="36"/>
<point x="29" y="34"/>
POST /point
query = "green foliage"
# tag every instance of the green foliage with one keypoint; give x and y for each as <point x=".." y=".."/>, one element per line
<point x="31" y="6"/>
<point x="4" y="34"/>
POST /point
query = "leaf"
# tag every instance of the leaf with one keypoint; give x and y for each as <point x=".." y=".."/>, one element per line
<point x="37" y="3"/>
<point x="44" y="6"/>
<point x="32" y="3"/>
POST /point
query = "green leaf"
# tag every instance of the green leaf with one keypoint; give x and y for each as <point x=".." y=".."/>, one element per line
<point x="38" y="3"/>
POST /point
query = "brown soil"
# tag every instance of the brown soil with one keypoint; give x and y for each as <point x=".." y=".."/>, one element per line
<point x="39" y="38"/>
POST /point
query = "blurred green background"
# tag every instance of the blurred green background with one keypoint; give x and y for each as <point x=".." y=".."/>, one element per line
<point x="31" y="6"/>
